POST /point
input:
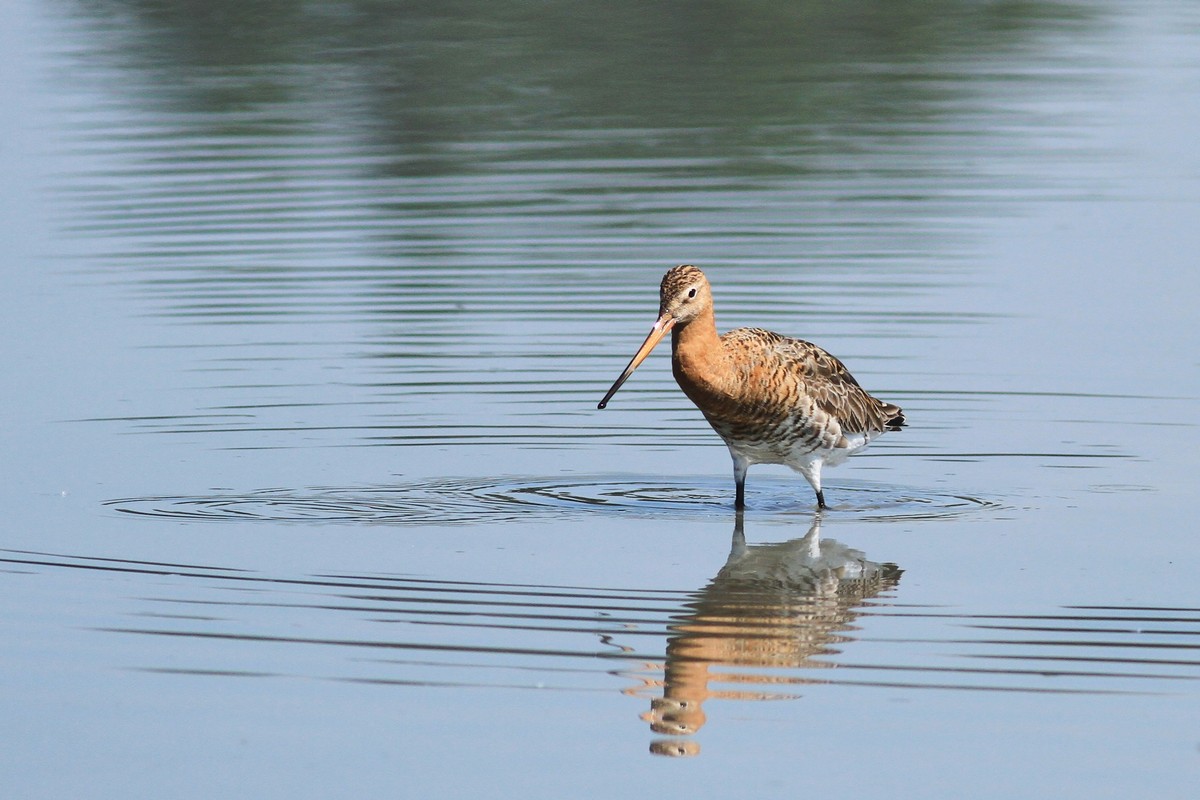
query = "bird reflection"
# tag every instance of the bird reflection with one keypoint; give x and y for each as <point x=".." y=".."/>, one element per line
<point x="771" y="607"/>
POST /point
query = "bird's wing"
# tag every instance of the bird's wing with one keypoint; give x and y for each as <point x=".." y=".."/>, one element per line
<point x="822" y="377"/>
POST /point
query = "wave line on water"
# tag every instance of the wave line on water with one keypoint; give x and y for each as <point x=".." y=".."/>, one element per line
<point x="484" y="500"/>
<point x="775" y="617"/>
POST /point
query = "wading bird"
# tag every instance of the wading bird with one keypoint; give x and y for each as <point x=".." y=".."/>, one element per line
<point x="774" y="400"/>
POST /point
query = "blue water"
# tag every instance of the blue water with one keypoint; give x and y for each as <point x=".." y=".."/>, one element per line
<point x="307" y="311"/>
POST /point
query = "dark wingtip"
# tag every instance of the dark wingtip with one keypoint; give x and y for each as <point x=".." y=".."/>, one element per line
<point x="897" y="422"/>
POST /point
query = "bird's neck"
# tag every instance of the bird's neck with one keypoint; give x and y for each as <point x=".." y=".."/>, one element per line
<point x="696" y="351"/>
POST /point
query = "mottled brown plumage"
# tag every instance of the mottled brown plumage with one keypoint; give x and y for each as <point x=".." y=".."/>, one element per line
<point x="774" y="400"/>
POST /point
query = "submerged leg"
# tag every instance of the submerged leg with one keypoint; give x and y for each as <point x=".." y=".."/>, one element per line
<point x="740" y="467"/>
<point x="812" y="473"/>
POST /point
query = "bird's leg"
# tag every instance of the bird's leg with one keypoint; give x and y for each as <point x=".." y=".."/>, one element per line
<point x="812" y="472"/>
<point x="740" y="467"/>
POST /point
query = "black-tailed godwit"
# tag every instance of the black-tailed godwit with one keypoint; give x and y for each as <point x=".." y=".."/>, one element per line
<point x="774" y="400"/>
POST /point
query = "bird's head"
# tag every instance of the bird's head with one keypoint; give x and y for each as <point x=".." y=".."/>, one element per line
<point x="683" y="295"/>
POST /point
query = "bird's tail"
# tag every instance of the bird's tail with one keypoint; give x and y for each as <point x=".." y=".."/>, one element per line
<point x="895" y="417"/>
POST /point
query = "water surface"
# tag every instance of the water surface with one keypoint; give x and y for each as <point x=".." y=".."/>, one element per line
<point x="308" y="311"/>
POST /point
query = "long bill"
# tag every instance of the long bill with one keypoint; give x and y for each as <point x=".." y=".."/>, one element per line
<point x="664" y="324"/>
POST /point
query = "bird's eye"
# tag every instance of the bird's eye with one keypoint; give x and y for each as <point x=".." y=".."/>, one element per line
<point x="692" y="292"/>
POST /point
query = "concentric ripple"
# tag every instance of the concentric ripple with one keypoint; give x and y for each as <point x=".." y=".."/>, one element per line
<point x="475" y="500"/>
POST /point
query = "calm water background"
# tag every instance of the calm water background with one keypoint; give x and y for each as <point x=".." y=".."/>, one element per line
<point x="307" y="308"/>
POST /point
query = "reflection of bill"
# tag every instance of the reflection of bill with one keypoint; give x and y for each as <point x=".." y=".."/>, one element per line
<point x="771" y="606"/>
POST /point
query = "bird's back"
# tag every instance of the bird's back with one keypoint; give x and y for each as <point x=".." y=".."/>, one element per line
<point x="775" y="392"/>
